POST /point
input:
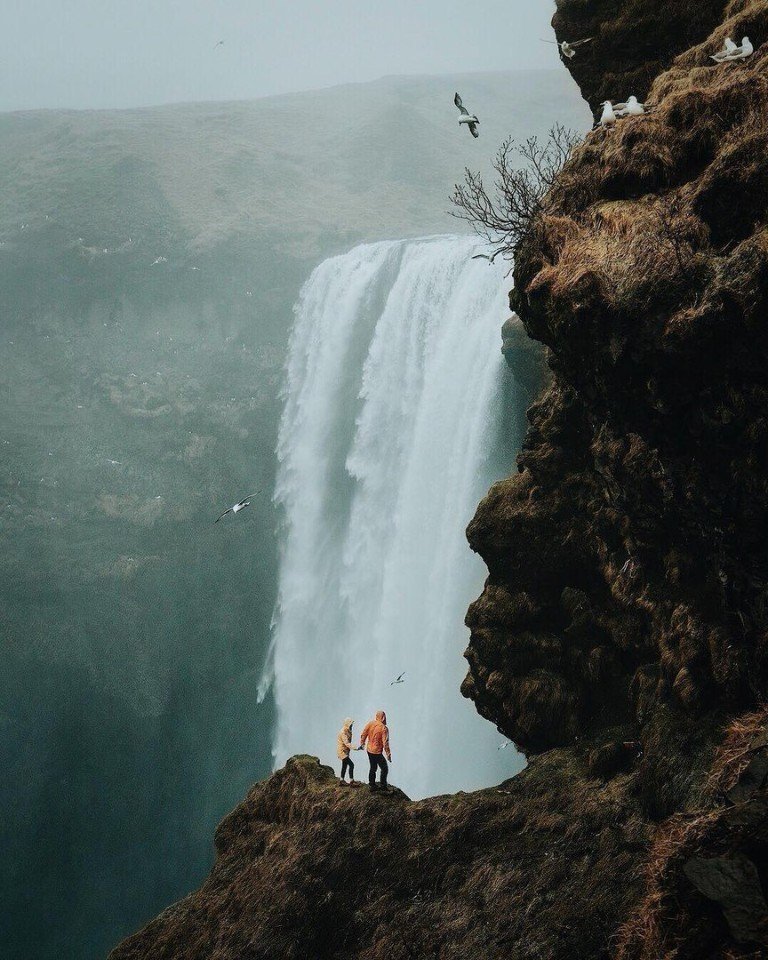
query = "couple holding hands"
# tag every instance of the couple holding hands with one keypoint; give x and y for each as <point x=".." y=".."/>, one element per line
<point x="375" y="739"/>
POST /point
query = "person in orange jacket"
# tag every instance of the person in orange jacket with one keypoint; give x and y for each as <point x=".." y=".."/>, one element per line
<point x="375" y="738"/>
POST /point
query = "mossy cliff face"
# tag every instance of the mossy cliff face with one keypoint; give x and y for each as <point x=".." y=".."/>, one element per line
<point x="633" y="41"/>
<point x="306" y="869"/>
<point x="628" y="558"/>
<point x="622" y="636"/>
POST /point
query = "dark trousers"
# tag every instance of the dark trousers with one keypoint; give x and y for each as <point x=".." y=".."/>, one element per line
<point x="377" y="760"/>
<point x="346" y="764"/>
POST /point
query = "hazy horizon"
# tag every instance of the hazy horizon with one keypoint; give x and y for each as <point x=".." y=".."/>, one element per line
<point x="106" y="56"/>
<point x="213" y="101"/>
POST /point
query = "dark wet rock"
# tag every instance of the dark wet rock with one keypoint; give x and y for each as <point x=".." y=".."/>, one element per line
<point x="634" y="41"/>
<point x="524" y="356"/>
<point x="634" y="525"/>
<point x="614" y="758"/>
<point x="733" y="882"/>
<point x="751" y="779"/>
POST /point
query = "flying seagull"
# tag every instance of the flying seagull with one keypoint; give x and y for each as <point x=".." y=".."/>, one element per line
<point x="245" y="502"/>
<point x="466" y="117"/>
<point x="219" y="44"/>
<point x="503" y="746"/>
<point x="485" y="256"/>
<point x="569" y="49"/>
<point x="398" y="680"/>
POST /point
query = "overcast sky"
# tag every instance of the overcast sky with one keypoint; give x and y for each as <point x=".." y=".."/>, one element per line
<point x="123" y="53"/>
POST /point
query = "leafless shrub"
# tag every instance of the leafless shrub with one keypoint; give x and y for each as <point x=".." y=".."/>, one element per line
<point x="504" y="214"/>
<point x="674" y="232"/>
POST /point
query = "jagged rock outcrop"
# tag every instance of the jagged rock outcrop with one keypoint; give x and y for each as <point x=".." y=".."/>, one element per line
<point x="308" y="869"/>
<point x="633" y="41"/>
<point x="628" y="562"/>
<point x="622" y="636"/>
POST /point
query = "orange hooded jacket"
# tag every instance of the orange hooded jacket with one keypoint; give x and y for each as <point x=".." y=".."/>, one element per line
<point x="376" y="732"/>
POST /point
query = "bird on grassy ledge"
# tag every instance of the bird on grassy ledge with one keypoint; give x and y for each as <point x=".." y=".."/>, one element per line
<point x="245" y="502"/>
<point x="632" y="108"/>
<point x="466" y="117"/>
<point x="731" y="52"/>
<point x="608" y="117"/>
<point x="729" y="47"/>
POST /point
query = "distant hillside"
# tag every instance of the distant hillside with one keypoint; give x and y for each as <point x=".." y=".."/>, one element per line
<point x="149" y="261"/>
<point x="363" y="161"/>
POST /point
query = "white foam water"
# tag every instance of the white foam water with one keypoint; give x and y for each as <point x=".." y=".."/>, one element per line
<point x="387" y="443"/>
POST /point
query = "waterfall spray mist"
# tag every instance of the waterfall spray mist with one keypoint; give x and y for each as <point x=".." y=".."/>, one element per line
<point x="388" y="440"/>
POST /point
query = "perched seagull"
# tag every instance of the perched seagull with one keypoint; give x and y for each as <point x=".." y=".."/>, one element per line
<point x="731" y="52"/>
<point x="729" y="47"/>
<point x="632" y="108"/>
<point x="569" y="49"/>
<point x="245" y="502"/>
<point x="745" y="50"/>
<point x="467" y="117"/>
<point x="398" y="680"/>
<point x="608" y="117"/>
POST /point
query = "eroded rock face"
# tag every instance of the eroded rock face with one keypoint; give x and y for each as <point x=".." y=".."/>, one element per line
<point x="308" y="869"/>
<point x="633" y="41"/>
<point x="628" y="559"/>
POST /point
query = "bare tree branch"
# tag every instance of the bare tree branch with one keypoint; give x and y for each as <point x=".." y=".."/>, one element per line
<point x="673" y="233"/>
<point x="504" y="215"/>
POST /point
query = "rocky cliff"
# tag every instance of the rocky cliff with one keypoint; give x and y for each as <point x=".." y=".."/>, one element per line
<point x="621" y="639"/>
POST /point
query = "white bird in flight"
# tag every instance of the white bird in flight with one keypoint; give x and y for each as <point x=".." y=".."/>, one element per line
<point x="466" y="117"/>
<point x="569" y="49"/>
<point x="398" y="680"/>
<point x="236" y="508"/>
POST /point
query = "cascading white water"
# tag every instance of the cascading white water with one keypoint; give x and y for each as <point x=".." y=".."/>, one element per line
<point x="387" y="442"/>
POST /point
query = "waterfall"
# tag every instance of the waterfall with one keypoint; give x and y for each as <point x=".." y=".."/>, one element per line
<point x="390" y="436"/>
